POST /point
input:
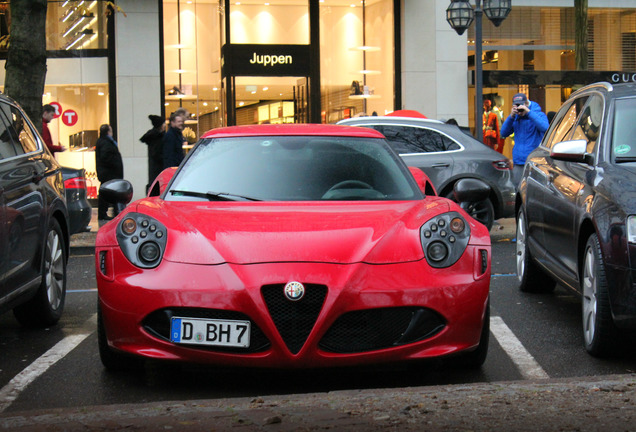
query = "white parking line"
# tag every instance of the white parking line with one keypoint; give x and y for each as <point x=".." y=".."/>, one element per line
<point x="524" y="361"/>
<point x="12" y="390"/>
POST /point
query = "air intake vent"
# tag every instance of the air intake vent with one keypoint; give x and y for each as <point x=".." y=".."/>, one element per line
<point x="375" y="329"/>
<point x="294" y="319"/>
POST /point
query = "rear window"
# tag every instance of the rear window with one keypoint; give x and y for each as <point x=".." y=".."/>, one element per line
<point x="409" y="139"/>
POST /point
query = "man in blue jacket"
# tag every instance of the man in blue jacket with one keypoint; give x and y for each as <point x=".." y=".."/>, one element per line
<point x="528" y="123"/>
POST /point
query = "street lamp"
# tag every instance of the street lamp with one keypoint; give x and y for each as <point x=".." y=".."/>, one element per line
<point x="460" y="15"/>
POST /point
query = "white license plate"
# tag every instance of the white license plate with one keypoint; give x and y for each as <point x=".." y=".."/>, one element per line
<point x="199" y="331"/>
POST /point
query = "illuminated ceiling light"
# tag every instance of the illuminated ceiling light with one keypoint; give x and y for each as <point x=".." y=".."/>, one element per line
<point x="265" y="88"/>
<point x="205" y="104"/>
<point x="167" y="103"/>
<point x="180" y="71"/>
<point x="353" y="5"/>
<point x="100" y="92"/>
<point x="216" y="108"/>
<point x="266" y="4"/>
<point x="214" y="89"/>
<point x="238" y="3"/>
<point x="241" y="103"/>
<point x="254" y="92"/>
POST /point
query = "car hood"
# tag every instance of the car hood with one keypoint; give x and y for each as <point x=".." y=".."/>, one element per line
<point x="248" y="233"/>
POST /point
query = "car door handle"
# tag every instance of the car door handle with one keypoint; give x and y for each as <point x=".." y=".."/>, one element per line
<point x="440" y="165"/>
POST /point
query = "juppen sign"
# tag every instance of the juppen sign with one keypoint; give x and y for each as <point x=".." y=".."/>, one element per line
<point x="266" y="60"/>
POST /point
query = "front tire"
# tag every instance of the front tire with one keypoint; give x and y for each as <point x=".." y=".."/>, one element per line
<point x="45" y="308"/>
<point x="111" y="359"/>
<point x="599" y="331"/>
<point x="532" y="278"/>
<point x="476" y="358"/>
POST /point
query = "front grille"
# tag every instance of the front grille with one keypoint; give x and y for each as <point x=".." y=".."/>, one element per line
<point x="294" y="319"/>
<point x="158" y="324"/>
<point x="375" y="329"/>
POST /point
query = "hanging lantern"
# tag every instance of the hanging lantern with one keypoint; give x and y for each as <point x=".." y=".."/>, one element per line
<point x="497" y="10"/>
<point x="460" y="15"/>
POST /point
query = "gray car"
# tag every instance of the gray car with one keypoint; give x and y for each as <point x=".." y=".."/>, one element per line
<point x="446" y="154"/>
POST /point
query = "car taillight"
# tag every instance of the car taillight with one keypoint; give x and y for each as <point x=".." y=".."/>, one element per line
<point x="75" y="183"/>
<point x="502" y="165"/>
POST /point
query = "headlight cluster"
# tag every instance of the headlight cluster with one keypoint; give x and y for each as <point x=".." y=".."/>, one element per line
<point x="444" y="239"/>
<point x="142" y="239"/>
<point x="631" y="229"/>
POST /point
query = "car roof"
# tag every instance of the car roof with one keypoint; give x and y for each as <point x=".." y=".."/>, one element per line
<point x="612" y="90"/>
<point x="293" y="130"/>
<point x="390" y="119"/>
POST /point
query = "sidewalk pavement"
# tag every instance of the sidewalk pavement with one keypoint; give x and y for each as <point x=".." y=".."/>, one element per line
<point x="599" y="404"/>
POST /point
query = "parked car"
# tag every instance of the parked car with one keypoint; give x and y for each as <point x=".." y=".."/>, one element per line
<point x="446" y="155"/>
<point x="79" y="209"/>
<point x="576" y="214"/>
<point x="292" y="246"/>
<point x="34" y="233"/>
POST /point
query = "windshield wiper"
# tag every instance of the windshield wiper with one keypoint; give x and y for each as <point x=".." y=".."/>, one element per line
<point x="214" y="196"/>
<point x="621" y="159"/>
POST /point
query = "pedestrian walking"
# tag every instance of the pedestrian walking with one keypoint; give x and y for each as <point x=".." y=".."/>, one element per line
<point x="528" y="123"/>
<point x="109" y="165"/>
<point x="173" y="142"/>
<point x="153" y="138"/>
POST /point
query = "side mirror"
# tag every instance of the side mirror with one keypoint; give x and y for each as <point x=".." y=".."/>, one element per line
<point x="422" y="180"/>
<point x="470" y="190"/>
<point x="161" y="182"/>
<point x="571" y="151"/>
<point x="117" y="191"/>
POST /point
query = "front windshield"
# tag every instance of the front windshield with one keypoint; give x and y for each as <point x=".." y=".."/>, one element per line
<point x="293" y="168"/>
<point x="624" y="131"/>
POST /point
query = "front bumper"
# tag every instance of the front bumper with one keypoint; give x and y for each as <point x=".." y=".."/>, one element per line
<point x="131" y="298"/>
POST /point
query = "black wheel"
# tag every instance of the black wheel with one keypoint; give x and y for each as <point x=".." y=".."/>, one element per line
<point x="45" y="308"/>
<point x="476" y="358"/>
<point x="599" y="331"/>
<point x="111" y="359"/>
<point x="531" y="277"/>
<point x="481" y="211"/>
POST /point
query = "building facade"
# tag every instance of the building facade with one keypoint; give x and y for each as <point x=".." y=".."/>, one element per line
<point x="284" y="61"/>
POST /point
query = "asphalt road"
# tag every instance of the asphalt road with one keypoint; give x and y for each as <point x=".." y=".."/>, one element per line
<point x="532" y="337"/>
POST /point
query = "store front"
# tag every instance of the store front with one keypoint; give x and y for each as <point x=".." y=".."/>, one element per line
<point x="282" y="61"/>
<point x="77" y="81"/>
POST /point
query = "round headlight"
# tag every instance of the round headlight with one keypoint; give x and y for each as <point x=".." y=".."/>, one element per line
<point x="149" y="252"/>
<point x="457" y="225"/>
<point x="129" y="226"/>
<point x="437" y="251"/>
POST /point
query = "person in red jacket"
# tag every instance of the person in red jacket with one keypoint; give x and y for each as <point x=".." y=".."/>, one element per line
<point x="48" y="112"/>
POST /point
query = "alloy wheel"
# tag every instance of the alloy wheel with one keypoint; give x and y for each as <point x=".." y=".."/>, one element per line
<point x="54" y="269"/>
<point x="521" y="246"/>
<point x="589" y="296"/>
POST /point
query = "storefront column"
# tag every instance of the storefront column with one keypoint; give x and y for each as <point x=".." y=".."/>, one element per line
<point x="434" y="62"/>
<point x="138" y="83"/>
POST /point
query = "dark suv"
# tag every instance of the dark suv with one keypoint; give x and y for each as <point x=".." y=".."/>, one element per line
<point x="576" y="211"/>
<point x="34" y="233"/>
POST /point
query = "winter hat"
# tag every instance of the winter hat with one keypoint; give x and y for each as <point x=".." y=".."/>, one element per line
<point x="156" y="120"/>
<point x="519" y="99"/>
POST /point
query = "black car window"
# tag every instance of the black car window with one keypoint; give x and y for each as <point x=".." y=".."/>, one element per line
<point x="589" y="124"/>
<point x="409" y="139"/>
<point x="565" y="121"/>
<point x="23" y="132"/>
<point x="624" y="129"/>
<point x="7" y="148"/>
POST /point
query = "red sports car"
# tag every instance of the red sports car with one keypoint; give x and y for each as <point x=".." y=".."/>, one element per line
<point x="292" y="246"/>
